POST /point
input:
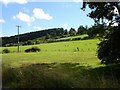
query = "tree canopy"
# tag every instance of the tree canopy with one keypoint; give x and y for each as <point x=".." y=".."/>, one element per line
<point x="102" y="10"/>
<point x="109" y="47"/>
<point x="81" y="30"/>
<point x="72" y="32"/>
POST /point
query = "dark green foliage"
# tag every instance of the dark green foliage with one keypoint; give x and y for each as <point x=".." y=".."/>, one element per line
<point x="32" y="35"/>
<point x="109" y="50"/>
<point x="81" y="30"/>
<point x="33" y="49"/>
<point x="29" y="42"/>
<point x="101" y="10"/>
<point x="6" y="51"/>
<point x="72" y="32"/>
<point x="109" y="47"/>
<point x="47" y="36"/>
<point x="65" y="32"/>
<point x="79" y="38"/>
<point x="98" y="30"/>
<point x="37" y="42"/>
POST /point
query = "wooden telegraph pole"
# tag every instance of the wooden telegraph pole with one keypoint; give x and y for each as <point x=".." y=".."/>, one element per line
<point x="18" y="27"/>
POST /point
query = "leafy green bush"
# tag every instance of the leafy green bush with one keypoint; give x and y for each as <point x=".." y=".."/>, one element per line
<point x="33" y="49"/>
<point x="6" y="51"/>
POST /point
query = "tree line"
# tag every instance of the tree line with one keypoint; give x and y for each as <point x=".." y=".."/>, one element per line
<point x="42" y="36"/>
<point x="52" y="35"/>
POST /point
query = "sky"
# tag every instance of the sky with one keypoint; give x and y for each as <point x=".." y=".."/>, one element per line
<point x="35" y="16"/>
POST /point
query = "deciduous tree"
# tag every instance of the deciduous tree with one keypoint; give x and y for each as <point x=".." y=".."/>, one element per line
<point x="109" y="47"/>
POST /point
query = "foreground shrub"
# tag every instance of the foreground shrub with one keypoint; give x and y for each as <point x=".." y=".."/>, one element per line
<point x="33" y="49"/>
<point x="6" y="51"/>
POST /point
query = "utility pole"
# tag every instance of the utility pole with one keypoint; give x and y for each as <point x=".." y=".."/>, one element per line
<point x="18" y="27"/>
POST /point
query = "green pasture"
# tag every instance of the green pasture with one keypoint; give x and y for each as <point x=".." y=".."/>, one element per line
<point x="72" y="37"/>
<point x="60" y="52"/>
<point x="58" y="65"/>
<point x="83" y="45"/>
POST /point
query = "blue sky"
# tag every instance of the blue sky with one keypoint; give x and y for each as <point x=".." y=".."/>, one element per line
<point x="34" y="16"/>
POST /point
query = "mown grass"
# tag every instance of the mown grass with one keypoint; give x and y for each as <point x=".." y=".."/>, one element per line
<point x="58" y="65"/>
<point x="73" y="37"/>
<point x="85" y="58"/>
<point x="84" y="45"/>
<point x="61" y="52"/>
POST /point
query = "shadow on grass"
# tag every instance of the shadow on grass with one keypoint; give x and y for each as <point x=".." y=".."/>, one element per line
<point x="61" y="75"/>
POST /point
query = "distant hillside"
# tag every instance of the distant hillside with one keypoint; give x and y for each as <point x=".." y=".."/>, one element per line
<point x="32" y="35"/>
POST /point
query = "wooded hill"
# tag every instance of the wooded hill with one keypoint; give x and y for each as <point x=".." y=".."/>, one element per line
<point x="32" y="35"/>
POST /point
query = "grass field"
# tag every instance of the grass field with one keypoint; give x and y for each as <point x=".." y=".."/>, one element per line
<point x="61" y="52"/>
<point x="58" y="65"/>
<point x="73" y="37"/>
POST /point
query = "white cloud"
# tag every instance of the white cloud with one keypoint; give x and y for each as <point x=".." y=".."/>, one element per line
<point x="14" y="17"/>
<point x="24" y="17"/>
<point x="14" y="1"/>
<point x="65" y="26"/>
<point x="2" y="21"/>
<point x="37" y="14"/>
<point x="40" y="14"/>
